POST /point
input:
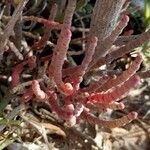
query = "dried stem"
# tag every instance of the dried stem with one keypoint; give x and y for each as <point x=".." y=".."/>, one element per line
<point x="8" y="31"/>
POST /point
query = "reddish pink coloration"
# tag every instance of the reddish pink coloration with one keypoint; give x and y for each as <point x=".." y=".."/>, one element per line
<point x="59" y="54"/>
<point x="66" y="113"/>
<point x="113" y="105"/>
<point x="41" y="95"/>
<point x="62" y="88"/>
<point x="46" y="58"/>
<point x="124" y="76"/>
<point x="125" y="18"/>
<point x="76" y="82"/>
<point x="78" y="110"/>
<point x="95" y="86"/>
<point x="69" y="108"/>
<point x="67" y="88"/>
<point x="109" y="124"/>
<point x="47" y="32"/>
<point x="99" y="107"/>
<point x="77" y="101"/>
<point x="50" y="23"/>
<point x="63" y="42"/>
<point x="71" y="119"/>
<point x="56" y="108"/>
<point x="16" y="72"/>
<point x="77" y="77"/>
<point x="69" y="71"/>
<point x="117" y="93"/>
<point x="27" y="95"/>
<point x="121" y="106"/>
<point x="128" y="33"/>
<point x="133" y="115"/>
<point x="32" y="62"/>
<point x="38" y="45"/>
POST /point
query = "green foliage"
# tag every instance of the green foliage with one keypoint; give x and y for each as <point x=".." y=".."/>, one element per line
<point x="81" y="4"/>
<point x="6" y="142"/>
<point x="147" y="13"/>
